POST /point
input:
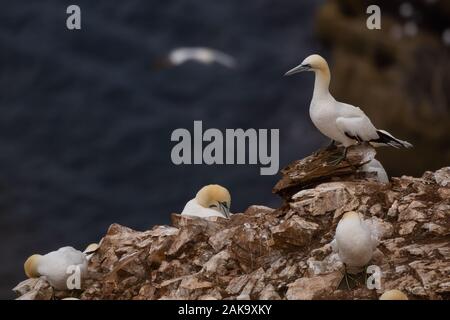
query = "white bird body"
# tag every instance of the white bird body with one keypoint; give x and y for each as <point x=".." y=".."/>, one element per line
<point x="192" y="208"/>
<point x="210" y="201"/>
<point x="56" y="266"/>
<point x="339" y="121"/>
<point x="375" y="166"/>
<point x="202" y="55"/>
<point x="354" y="242"/>
<point x="334" y="119"/>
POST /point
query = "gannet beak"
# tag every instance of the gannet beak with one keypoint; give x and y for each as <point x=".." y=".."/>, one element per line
<point x="297" y="69"/>
<point x="225" y="210"/>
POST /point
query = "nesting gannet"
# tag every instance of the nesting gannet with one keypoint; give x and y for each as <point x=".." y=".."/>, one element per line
<point x="393" y="295"/>
<point x="354" y="241"/>
<point x="343" y="123"/>
<point x="375" y="166"/>
<point x="202" y="55"/>
<point x="56" y="266"/>
<point x="211" y="201"/>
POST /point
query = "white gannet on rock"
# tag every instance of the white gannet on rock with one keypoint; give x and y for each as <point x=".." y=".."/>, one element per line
<point x="54" y="266"/>
<point x="393" y="295"/>
<point x="343" y="123"/>
<point x="201" y="55"/>
<point x="354" y="241"/>
<point x="211" y="201"/>
<point x="375" y="166"/>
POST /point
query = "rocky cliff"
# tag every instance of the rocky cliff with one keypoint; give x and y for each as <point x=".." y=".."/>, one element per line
<point x="282" y="253"/>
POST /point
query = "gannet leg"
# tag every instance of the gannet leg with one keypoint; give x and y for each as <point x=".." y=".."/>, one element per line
<point x="331" y="146"/>
<point x="346" y="280"/>
<point x="346" y="277"/>
<point x="339" y="158"/>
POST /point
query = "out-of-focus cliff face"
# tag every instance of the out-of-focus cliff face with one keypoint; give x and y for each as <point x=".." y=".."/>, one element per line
<point x="284" y="253"/>
<point x="399" y="75"/>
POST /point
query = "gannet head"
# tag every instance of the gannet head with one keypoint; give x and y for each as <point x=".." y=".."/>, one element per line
<point x="215" y="197"/>
<point x="393" y="295"/>
<point x="91" y="248"/>
<point x="31" y="265"/>
<point x="313" y="62"/>
<point x="351" y="215"/>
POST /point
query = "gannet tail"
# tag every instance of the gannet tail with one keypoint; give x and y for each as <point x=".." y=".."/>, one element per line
<point x="385" y="138"/>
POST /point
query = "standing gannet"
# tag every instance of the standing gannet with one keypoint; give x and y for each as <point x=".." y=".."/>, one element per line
<point x="393" y="295"/>
<point x="339" y="121"/>
<point x="201" y="55"/>
<point x="57" y="266"/>
<point x="211" y="201"/>
<point x="354" y="242"/>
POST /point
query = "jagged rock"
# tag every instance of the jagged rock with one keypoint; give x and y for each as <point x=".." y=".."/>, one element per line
<point x="407" y="228"/>
<point x="325" y="198"/>
<point x="314" y="287"/>
<point x="315" y="169"/>
<point x="295" y="231"/>
<point x="278" y="254"/>
<point x="34" y="289"/>
<point x="269" y="293"/>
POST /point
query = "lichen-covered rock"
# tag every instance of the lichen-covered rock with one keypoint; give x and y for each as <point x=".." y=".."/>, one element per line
<point x="278" y="254"/>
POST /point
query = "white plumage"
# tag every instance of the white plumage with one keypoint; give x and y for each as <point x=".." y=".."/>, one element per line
<point x="210" y="201"/>
<point x="375" y="166"/>
<point x="54" y="266"/>
<point x="342" y="122"/>
<point x="201" y="55"/>
<point x="192" y="208"/>
<point x="354" y="241"/>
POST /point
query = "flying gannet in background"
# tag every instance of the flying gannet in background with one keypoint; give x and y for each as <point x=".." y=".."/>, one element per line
<point x="343" y="123"/>
<point x="211" y="201"/>
<point x="375" y="166"/>
<point x="54" y="266"/>
<point x="393" y="295"/>
<point x="201" y="55"/>
<point x="354" y="242"/>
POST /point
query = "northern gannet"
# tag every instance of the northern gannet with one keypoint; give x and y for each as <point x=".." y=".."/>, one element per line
<point x="393" y="295"/>
<point x="343" y="123"/>
<point x="211" y="201"/>
<point x="55" y="266"/>
<point x="354" y="242"/>
<point x="202" y="55"/>
<point x="375" y="166"/>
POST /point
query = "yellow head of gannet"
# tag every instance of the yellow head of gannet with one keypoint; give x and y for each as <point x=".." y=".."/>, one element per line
<point x="352" y="215"/>
<point x="91" y="248"/>
<point x="31" y="266"/>
<point x="215" y="197"/>
<point x="313" y="62"/>
<point x="393" y="295"/>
